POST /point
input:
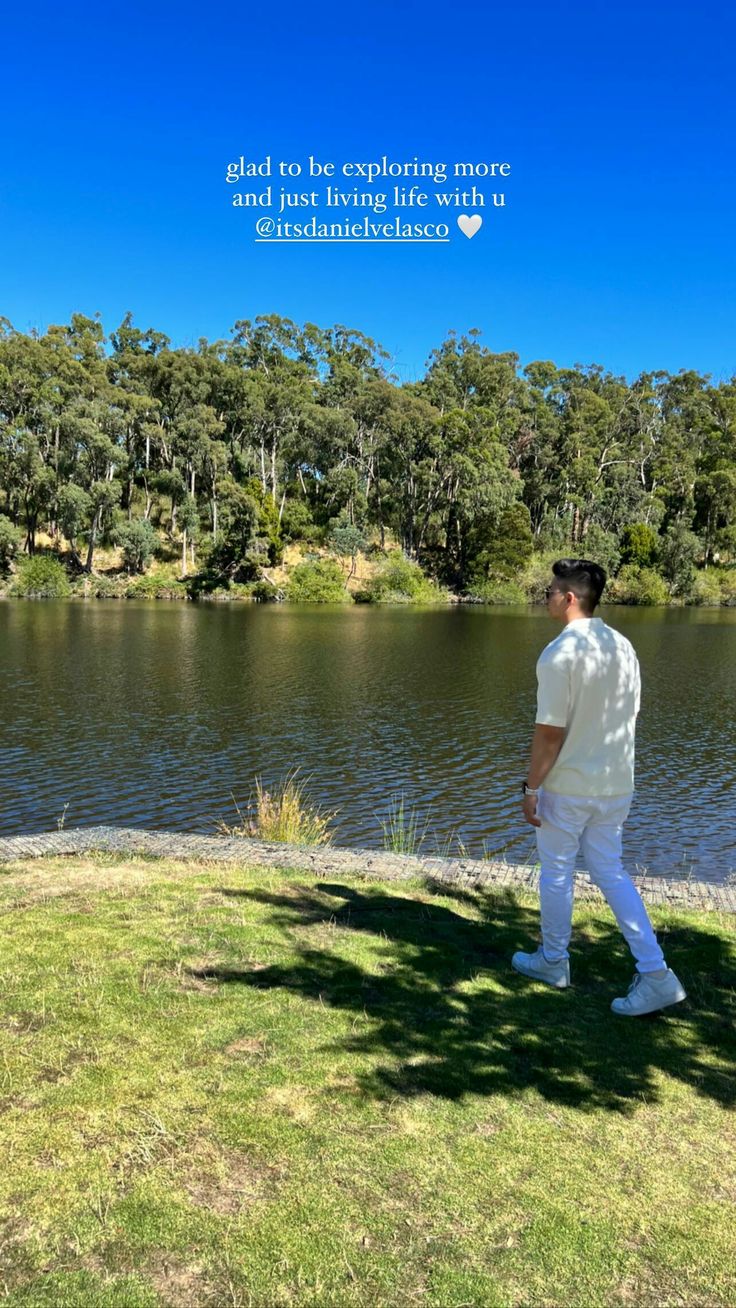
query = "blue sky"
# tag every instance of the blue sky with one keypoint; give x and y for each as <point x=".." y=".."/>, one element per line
<point x="616" y="245"/>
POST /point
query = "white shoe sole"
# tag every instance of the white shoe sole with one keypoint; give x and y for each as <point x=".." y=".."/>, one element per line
<point x="562" y="984"/>
<point x="643" y="1012"/>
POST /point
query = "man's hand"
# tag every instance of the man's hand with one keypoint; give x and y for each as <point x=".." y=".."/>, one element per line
<point x="529" y="809"/>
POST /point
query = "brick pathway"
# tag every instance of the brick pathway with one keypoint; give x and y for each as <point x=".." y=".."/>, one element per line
<point x="346" y="862"/>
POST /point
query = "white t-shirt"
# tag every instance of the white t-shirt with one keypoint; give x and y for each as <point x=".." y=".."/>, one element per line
<point x="588" y="681"/>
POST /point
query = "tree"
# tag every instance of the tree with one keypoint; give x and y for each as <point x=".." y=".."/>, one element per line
<point x="639" y="544"/>
<point x="678" y="552"/>
<point x="11" y="539"/>
<point x="138" y="541"/>
<point x="73" y="512"/>
<point x="347" y="540"/>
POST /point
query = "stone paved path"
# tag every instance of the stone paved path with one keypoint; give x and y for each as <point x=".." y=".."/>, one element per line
<point x="335" y="862"/>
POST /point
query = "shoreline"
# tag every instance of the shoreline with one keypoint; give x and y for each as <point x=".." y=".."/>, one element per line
<point x="327" y="860"/>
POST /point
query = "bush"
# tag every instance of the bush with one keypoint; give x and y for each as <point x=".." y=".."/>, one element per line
<point x="138" y="541"/>
<point x="678" y="551"/>
<point x="264" y="591"/>
<point x="93" y="586"/>
<point x="11" y="539"/>
<point x="297" y="522"/>
<point x="536" y="576"/>
<point x="318" y="582"/>
<point x="639" y="544"/>
<point x="705" y="589"/>
<point x="601" y="547"/>
<point x="42" y="577"/>
<point x="635" y="585"/>
<point x="155" y="587"/>
<point x="727" y="583"/>
<point x="498" y="591"/>
<point x="399" y="581"/>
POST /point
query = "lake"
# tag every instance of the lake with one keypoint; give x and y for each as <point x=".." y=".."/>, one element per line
<point x="154" y="715"/>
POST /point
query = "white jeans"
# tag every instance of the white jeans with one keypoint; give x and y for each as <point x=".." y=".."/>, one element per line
<point x="593" y="826"/>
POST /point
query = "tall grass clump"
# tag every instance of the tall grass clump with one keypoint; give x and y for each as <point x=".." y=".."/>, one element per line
<point x="283" y="815"/>
<point x="401" y="830"/>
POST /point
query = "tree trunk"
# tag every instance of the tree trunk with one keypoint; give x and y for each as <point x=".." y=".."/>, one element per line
<point x="184" y="553"/>
<point x="92" y="540"/>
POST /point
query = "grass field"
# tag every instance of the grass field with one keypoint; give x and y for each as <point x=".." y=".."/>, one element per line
<point x="232" y="1086"/>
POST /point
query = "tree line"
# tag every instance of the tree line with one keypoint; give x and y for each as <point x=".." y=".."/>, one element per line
<point x="287" y="432"/>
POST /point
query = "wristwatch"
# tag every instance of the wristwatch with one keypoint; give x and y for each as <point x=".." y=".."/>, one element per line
<point x="527" y="790"/>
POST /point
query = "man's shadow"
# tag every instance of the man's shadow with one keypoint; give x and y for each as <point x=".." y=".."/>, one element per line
<point x="429" y="1032"/>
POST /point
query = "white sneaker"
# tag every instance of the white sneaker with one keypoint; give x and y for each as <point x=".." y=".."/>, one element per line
<point x="648" y="993"/>
<point x="537" y="967"/>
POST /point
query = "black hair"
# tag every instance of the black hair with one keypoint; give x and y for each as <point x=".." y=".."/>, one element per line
<point x="583" y="578"/>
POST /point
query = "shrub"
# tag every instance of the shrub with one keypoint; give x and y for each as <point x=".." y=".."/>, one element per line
<point x="11" y="539"/>
<point x="639" y="544"/>
<point x="536" y="576"/>
<point x="635" y="585"/>
<point x="297" y="522"/>
<point x="602" y="547"/>
<point x="42" y="577"/>
<point x="138" y="541"/>
<point x="498" y="590"/>
<point x="678" y="551"/>
<point x="705" y="589"/>
<point x="264" y="591"/>
<point x="155" y="587"/>
<point x="400" y="581"/>
<point x="727" y="582"/>
<point x="318" y="582"/>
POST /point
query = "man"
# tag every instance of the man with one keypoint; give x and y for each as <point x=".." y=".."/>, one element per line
<point x="579" y="788"/>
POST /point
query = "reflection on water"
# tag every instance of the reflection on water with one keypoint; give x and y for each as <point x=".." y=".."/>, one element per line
<point x="155" y="714"/>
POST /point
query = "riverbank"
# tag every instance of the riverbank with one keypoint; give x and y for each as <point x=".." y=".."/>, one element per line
<point x="226" y="1083"/>
<point x="327" y="861"/>
<point x="306" y="573"/>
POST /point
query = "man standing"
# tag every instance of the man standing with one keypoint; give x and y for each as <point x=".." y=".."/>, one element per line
<point x="579" y="788"/>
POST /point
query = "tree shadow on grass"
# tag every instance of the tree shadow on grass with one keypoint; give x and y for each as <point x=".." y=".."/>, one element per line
<point x="432" y="1031"/>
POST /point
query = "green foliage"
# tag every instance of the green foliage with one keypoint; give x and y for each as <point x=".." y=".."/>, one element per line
<point x="318" y="582"/>
<point x="138" y="541"/>
<point x="705" y="589"/>
<point x="639" y="545"/>
<point x="635" y="585"/>
<point x="400" y="581"/>
<point x="73" y="511"/>
<point x="154" y="586"/>
<point x="11" y="540"/>
<point x="679" y="550"/>
<point x="277" y="432"/>
<point x="267" y="521"/>
<point x="727" y="582"/>
<point x="41" y="577"/>
<point x="601" y="547"/>
<point x="498" y="590"/>
<point x="346" y="539"/>
<point x="264" y="591"/>
<point x="508" y="549"/>
<point x="537" y="574"/>
<point x="297" y="522"/>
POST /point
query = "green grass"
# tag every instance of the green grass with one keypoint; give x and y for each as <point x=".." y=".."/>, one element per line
<point x="235" y="1086"/>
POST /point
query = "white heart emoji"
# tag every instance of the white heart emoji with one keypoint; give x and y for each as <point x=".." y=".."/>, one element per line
<point x="469" y="224"/>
